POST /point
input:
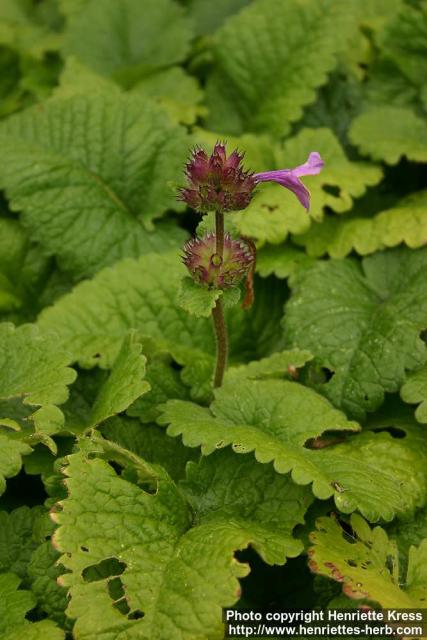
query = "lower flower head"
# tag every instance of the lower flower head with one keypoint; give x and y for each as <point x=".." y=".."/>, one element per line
<point x="206" y="267"/>
<point x="217" y="182"/>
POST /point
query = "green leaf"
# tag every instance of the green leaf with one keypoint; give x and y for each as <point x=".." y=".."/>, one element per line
<point x="32" y="367"/>
<point x="77" y="79"/>
<point x="197" y="300"/>
<point x="415" y="391"/>
<point x="363" y="323"/>
<point x="125" y="383"/>
<point x="406" y="222"/>
<point x="367" y="564"/>
<point x="262" y="80"/>
<point x="151" y="442"/>
<point x="207" y="16"/>
<point x="88" y="172"/>
<point x="89" y="324"/>
<point x="129" y="37"/>
<point x="404" y="41"/>
<point x="230" y="488"/>
<point x="388" y="133"/>
<point x="43" y="572"/>
<point x="44" y="630"/>
<point x="142" y="294"/>
<point x="11" y="452"/>
<point x="14" y="604"/>
<point x="165" y="383"/>
<point x="265" y="417"/>
<point x="149" y="547"/>
<point x="18" y="539"/>
<point x="411" y="533"/>
<point x="278" y="365"/>
<point x="174" y="90"/>
<point x="280" y="260"/>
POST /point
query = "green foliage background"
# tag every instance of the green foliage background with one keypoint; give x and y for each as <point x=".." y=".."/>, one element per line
<point x="134" y="504"/>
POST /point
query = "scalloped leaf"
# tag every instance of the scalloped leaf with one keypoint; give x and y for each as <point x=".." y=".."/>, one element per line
<point x="275" y="212"/>
<point x="150" y="547"/>
<point x="262" y="80"/>
<point x="11" y="452"/>
<point x="129" y="38"/>
<point x="142" y="294"/>
<point x="197" y="300"/>
<point x="14" y="604"/>
<point x="367" y="564"/>
<point x="265" y="417"/>
<point x="32" y="367"/>
<point x="150" y="441"/>
<point x="406" y="222"/>
<point x="280" y="260"/>
<point x="408" y="534"/>
<point x="404" y="40"/>
<point x="278" y="365"/>
<point x="207" y="17"/>
<point x="88" y="171"/>
<point x="362" y="322"/>
<point x="165" y="383"/>
<point x="124" y="384"/>
<point x="43" y="572"/>
<point x="388" y="133"/>
<point x="415" y="391"/>
<point x="176" y="91"/>
<point x="18" y="538"/>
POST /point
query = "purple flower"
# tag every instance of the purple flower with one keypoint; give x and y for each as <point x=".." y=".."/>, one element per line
<point x="217" y="182"/>
<point x="290" y="178"/>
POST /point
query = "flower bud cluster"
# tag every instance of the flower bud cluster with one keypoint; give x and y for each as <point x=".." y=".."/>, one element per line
<point x="217" y="182"/>
<point x="207" y="268"/>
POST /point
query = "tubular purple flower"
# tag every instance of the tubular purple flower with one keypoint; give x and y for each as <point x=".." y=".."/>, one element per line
<point x="290" y="178"/>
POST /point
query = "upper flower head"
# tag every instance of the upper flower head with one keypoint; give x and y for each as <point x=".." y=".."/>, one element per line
<point x="217" y="182"/>
<point x="290" y="178"/>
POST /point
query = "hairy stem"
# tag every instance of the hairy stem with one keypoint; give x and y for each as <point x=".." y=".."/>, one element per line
<point x="221" y="342"/>
<point x="220" y="327"/>
<point x="219" y="231"/>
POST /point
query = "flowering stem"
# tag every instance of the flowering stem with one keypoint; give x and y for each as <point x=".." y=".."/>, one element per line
<point x="219" y="232"/>
<point x="220" y="327"/>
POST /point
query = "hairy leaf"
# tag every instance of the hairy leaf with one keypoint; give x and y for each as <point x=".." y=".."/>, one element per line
<point x="280" y="260"/>
<point x="43" y="572"/>
<point x="363" y="323"/>
<point x="388" y="133"/>
<point x="406" y="222"/>
<point x="14" y="604"/>
<point x="367" y="564"/>
<point x="129" y="36"/>
<point x="32" y="367"/>
<point x="92" y="321"/>
<point x="165" y="383"/>
<point x="265" y="417"/>
<point x="175" y="571"/>
<point x="415" y="391"/>
<point x="150" y="442"/>
<point x="404" y="41"/>
<point x="174" y="90"/>
<point x="87" y="172"/>
<point x="263" y="80"/>
<point x="18" y="539"/>
<point x="125" y="383"/>
<point x="197" y="300"/>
